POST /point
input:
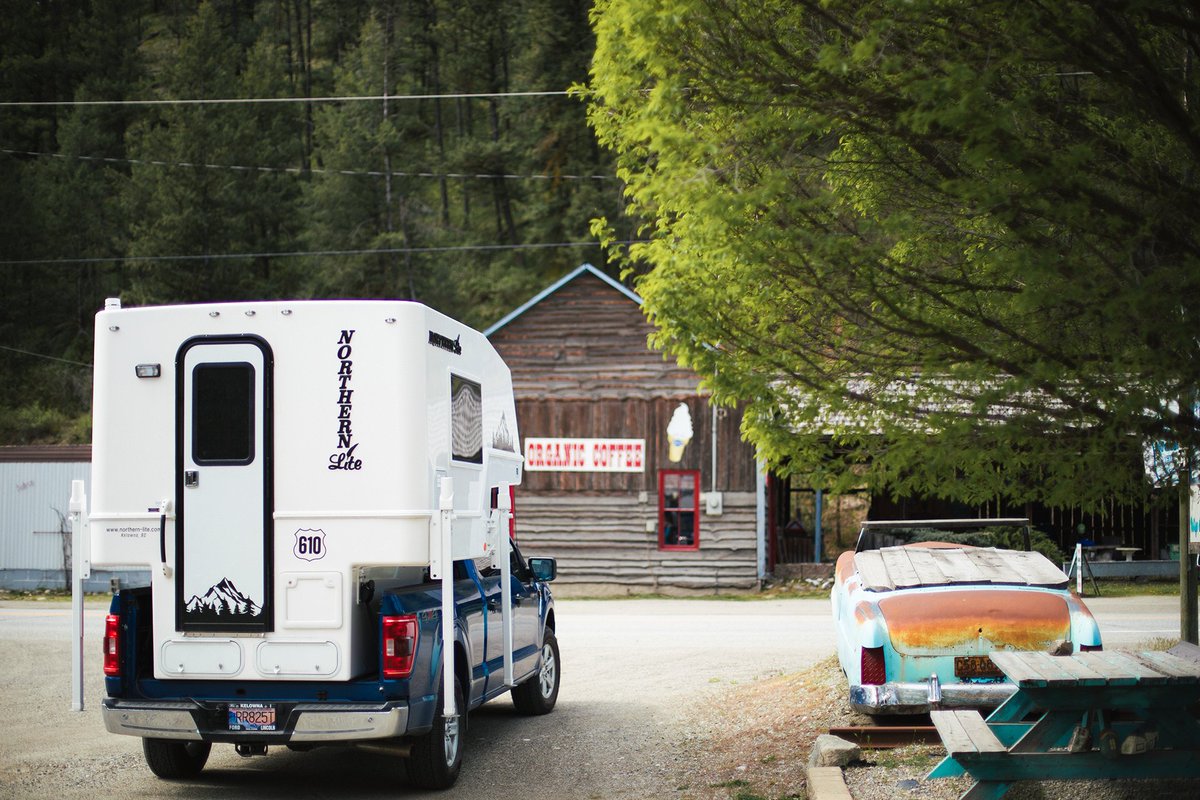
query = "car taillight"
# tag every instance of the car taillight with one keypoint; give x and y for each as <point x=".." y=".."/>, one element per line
<point x="874" y="670"/>
<point x="399" y="645"/>
<point x="112" y="645"/>
<point x="1090" y="648"/>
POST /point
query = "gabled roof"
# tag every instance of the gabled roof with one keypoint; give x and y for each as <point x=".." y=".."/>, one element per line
<point x="554" y="287"/>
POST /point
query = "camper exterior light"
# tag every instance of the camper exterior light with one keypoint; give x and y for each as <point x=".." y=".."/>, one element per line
<point x="148" y="370"/>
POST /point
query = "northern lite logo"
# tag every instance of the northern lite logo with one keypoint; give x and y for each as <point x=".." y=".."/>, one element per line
<point x="344" y="457"/>
<point x="446" y="343"/>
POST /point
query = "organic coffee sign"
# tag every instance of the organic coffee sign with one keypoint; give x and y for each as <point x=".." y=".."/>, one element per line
<point x="585" y="455"/>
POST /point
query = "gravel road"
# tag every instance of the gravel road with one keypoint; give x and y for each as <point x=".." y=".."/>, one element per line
<point x="634" y="671"/>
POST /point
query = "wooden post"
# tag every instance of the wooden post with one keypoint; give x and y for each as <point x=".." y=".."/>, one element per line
<point x="1187" y="559"/>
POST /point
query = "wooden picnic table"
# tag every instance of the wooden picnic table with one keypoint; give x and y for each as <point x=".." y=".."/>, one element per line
<point x="1087" y="716"/>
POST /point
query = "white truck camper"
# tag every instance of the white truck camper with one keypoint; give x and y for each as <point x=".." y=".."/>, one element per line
<point x="289" y="471"/>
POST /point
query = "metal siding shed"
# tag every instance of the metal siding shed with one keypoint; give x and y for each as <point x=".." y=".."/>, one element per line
<point x="32" y="494"/>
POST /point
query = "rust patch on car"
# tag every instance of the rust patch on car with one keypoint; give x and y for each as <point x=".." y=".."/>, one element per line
<point x="844" y="567"/>
<point x="865" y="612"/>
<point x="975" y="621"/>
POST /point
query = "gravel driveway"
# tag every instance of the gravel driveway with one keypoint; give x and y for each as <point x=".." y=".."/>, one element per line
<point x="635" y="674"/>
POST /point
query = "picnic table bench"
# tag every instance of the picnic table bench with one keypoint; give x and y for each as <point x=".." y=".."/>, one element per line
<point x="1087" y="716"/>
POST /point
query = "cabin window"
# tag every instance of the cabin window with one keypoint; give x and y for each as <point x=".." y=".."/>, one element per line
<point x="466" y="420"/>
<point x="679" y="509"/>
<point x="223" y="413"/>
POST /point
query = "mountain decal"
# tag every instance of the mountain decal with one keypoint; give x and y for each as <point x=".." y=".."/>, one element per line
<point x="222" y="603"/>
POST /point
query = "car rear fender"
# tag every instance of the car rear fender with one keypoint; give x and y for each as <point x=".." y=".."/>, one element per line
<point x="870" y="627"/>
<point x="1085" y="632"/>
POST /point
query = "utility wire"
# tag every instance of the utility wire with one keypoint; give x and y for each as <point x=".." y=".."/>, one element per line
<point x="304" y="253"/>
<point x="315" y="171"/>
<point x="41" y="355"/>
<point x="252" y="100"/>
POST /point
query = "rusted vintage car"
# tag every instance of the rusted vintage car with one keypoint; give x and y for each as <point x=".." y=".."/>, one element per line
<point x="919" y="605"/>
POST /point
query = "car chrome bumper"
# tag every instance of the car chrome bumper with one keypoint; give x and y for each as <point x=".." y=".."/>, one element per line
<point x="921" y="697"/>
<point x="304" y="723"/>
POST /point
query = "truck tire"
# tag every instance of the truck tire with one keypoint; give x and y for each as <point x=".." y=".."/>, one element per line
<point x="538" y="694"/>
<point x="436" y="757"/>
<point x="174" y="760"/>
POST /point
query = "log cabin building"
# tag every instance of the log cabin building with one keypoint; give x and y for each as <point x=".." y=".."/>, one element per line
<point x="601" y="493"/>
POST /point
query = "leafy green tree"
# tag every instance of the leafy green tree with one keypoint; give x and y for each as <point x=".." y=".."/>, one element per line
<point x="939" y="247"/>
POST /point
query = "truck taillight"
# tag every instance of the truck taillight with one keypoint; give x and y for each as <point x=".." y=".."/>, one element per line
<point x="874" y="670"/>
<point x="112" y="645"/>
<point x="399" y="645"/>
<point x="512" y="504"/>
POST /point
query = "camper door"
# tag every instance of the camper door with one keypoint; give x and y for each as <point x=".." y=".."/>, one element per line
<point x="223" y="541"/>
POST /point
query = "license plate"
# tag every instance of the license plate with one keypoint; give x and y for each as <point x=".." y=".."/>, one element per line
<point x="251" y="717"/>
<point x="976" y="667"/>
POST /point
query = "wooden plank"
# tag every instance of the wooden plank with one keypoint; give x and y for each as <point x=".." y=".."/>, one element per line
<point x="954" y="736"/>
<point x="1175" y="668"/>
<point x="983" y="737"/>
<point x="1116" y="670"/>
<point x="1063" y="670"/>
<point x="958" y="568"/>
<point x="965" y="732"/>
<point x="899" y="566"/>
<point x="1080" y="672"/>
<point x="1038" y="570"/>
<point x="874" y="573"/>
<point x="1128" y="665"/>
<point x="994" y="566"/>
<point x="1016" y="665"/>
<point x="928" y="572"/>
<point x="1187" y="651"/>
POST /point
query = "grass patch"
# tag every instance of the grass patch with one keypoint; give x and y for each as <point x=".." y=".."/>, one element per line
<point x="1111" y="588"/>
<point x="919" y="758"/>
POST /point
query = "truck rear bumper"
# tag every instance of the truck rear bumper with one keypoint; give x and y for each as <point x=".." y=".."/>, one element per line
<point x="298" y="723"/>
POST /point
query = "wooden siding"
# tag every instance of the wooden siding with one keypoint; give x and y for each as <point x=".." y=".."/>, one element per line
<point x="601" y="542"/>
<point x="588" y="341"/>
<point x="639" y="418"/>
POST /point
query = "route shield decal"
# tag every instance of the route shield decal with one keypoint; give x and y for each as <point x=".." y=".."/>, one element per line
<point x="310" y="544"/>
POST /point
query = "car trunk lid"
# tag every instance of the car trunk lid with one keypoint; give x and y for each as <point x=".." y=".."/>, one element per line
<point x="974" y="621"/>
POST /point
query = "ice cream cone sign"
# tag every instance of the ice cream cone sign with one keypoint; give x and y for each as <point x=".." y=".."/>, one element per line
<point x="679" y="432"/>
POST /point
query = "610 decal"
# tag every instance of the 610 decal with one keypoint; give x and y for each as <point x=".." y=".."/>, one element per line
<point x="310" y="544"/>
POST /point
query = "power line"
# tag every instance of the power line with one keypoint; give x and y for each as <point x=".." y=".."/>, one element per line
<point x="315" y="171"/>
<point x="253" y="100"/>
<point x="308" y="253"/>
<point x="42" y="355"/>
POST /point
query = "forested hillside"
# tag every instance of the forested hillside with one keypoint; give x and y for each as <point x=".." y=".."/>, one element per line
<point x="469" y="204"/>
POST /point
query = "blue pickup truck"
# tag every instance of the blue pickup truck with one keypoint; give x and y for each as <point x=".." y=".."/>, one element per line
<point x="396" y="701"/>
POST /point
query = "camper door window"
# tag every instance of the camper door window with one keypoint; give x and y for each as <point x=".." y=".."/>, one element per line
<point x="466" y="420"/>
<point x="223" y="413"/>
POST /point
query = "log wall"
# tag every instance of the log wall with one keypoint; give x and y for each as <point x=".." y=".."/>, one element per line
<point x="607" y="544"/>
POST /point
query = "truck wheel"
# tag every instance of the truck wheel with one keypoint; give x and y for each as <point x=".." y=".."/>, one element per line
<point x="174" y="760"/>
<point x="539" y="693"/>
<point x="436" y="757"/>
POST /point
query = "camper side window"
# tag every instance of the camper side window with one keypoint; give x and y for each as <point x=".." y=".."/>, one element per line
<point x="223" y="413"/>
<point x="466" y="420"/>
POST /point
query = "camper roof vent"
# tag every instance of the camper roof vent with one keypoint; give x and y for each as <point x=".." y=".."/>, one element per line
<point x="112" y="304"/>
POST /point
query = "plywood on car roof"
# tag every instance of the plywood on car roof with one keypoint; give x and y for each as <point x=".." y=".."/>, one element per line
<point x="909" y="567"/>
